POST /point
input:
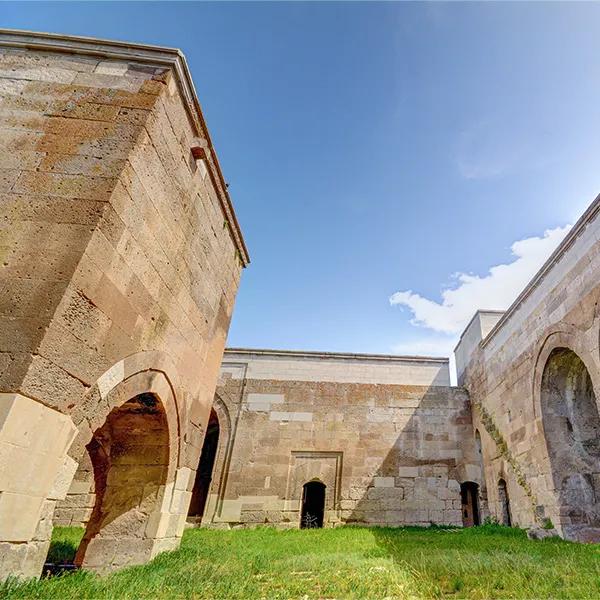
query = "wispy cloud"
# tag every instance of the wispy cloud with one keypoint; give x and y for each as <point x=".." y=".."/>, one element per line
<point x="493" y="147"/>
<point x="496" y="290"/>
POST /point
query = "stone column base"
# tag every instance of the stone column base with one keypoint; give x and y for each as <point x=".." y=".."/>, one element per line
<point x="36" y="471"/>
<point x="138" y="538"/>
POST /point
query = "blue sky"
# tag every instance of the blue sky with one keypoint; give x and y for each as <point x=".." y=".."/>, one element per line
<point x="374" y="151"/>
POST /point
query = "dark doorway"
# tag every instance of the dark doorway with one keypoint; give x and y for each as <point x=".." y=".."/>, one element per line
<point x="469" y="497"/>
<point x="205" y="467"/>
<point x="313" y="505"/>
<point x="504" y="503"/>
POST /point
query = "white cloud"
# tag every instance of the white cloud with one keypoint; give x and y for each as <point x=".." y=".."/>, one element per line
<point x="494" y="291"/>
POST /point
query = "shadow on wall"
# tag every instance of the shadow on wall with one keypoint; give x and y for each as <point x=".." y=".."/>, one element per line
<point x="432" y="452"/>
<point x="411" y="459"/>
<point x="213" y="465"/>
<point x="130" y="456"/>
<point x="205" y="470"/>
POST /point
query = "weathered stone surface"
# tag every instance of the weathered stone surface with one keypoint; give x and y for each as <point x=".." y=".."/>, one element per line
<point x="537" y="533"/>
<point x="532" y="376"/>
<point x="388" y="453"/>
<point x="118" y="276"/>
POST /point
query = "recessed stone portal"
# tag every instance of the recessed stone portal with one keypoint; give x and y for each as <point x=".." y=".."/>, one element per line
<point x="204" y="474"/>
<point x="572" y="427"/>
<point x="130" y="458"/>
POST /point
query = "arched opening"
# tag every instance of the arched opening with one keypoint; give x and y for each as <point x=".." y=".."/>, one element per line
<point x="469" y="497"/>
<point x="205" y="467"/>
<point x="479" y="452"/>
<point x="313" y="505"/>
<point x="130" y="459"/>
<point x="572" y="431"/>
<point x="504" y="503"/>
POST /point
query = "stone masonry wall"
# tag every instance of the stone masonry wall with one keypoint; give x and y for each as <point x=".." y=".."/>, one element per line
<point x="504" y="377"/>
<point x="389" y="453"/>
<point x="118" y="264"/>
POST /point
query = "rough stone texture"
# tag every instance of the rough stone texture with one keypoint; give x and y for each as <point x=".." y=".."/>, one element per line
<point x="34" y="440"/>
<point x="119" y="264"/>
<point x="534" y="386"/>
<point x="388" y="453"/>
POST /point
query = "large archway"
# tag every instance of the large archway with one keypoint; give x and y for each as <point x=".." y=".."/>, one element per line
<point x="204" y="474"/>
<point x="572" y="429"/>
<point x="130" y="455"/>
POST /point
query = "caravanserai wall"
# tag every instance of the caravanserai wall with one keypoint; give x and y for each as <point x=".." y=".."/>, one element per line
<point x="388" y="436"/>
<point x="120" y="258"/>
<point x="534" y="381"/>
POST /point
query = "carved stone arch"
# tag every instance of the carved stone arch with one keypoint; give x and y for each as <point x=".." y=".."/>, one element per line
<point x="565" y="337"/>
<point x="317" y="480"/>
<point x="565" y="394"/>
<point x="223" y="413"/>
<point x="130" y="442"/>
<point x="151" y="368"/>
<point x="220" y="468"/>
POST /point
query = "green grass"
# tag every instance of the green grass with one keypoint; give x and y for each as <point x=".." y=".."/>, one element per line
<point x="349" y="562"/>
<point x="64" y="544"/>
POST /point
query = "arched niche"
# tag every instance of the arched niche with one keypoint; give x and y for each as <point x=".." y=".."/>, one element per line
<point x="204" y="473"/>
<point x="505" y="516"/>
<point x="571" y="424"/>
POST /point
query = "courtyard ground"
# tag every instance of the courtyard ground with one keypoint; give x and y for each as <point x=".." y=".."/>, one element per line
<point x="349" y="562"/>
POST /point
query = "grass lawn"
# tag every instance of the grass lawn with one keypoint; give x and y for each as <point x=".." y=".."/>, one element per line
<point x="348" y="562"/>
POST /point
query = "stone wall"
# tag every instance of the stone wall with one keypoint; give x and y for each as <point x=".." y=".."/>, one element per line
<point x="120" y="259"/>
<point x="534" y="385"/>
<point x="388" y="437"/>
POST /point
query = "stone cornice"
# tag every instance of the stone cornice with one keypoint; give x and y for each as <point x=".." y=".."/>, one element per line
<point x="158" y="56"/>
<point x="588" y="216"/>
<point x="334" y="355"/>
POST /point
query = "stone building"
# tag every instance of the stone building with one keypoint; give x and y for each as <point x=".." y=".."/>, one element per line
<point x="386" y="440"/>
<point x="379" y="440"/>
<point x="533" y="378"/>
<point x="120" y="258"/>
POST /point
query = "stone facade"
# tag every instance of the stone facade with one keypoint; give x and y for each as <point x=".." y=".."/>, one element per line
<point x="388" y="436"/>
<point x="120" y="258"/>
<point x="533" y="376"/>
<point x="378" y="431"/>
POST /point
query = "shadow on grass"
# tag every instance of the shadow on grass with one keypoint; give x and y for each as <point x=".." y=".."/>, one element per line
<point x="491" y="561"/>
<point x="61" y="552"/>
<point x="63" y="547"/>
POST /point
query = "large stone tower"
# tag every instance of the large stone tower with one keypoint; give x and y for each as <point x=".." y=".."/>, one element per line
<point x="120" y="258"/>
